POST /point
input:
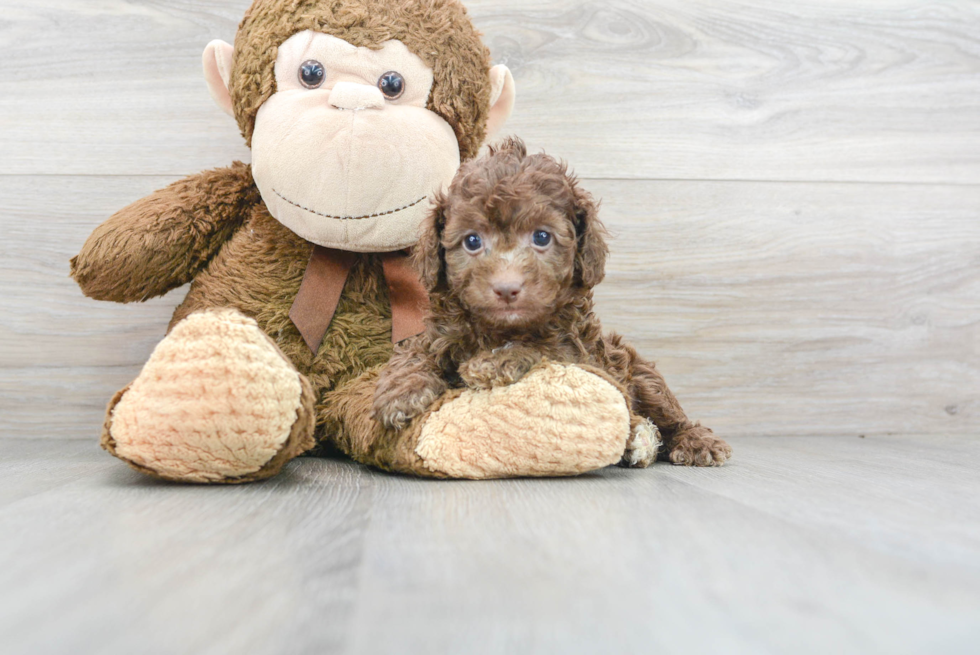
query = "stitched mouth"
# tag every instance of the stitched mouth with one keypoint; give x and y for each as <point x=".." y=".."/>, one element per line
<point x="350" y="218"/>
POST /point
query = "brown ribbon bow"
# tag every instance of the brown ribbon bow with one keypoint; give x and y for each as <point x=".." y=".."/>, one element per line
<point x="323" y="282"/>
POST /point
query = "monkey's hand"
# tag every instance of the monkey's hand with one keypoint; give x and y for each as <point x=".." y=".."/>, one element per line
<point x="162" y="241"/>
<point x="500" y="367"/>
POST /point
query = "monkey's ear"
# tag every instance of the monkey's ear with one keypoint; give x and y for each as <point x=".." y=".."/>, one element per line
<point x="218" y="58"/>
<point x="502" y="95"/>
<point x="590" y="258"/>
<point x="428" y="255"/>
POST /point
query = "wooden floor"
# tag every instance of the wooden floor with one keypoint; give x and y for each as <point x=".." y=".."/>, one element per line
<point x="804" y="545"/>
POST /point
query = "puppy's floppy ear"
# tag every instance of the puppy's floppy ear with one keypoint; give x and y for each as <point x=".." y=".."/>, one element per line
<point x="590" y="258"/>
<point x="428" y="256"/>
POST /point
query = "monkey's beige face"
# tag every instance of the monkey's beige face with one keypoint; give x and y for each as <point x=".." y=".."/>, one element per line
<point x="345" y="153"/>
<point x="512" y="263"/>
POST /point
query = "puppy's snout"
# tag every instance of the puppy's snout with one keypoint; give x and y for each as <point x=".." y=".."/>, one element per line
<point x="508" y="289"/>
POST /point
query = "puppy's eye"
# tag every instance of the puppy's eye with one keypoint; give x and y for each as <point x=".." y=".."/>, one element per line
<point x="541" y="238"/>
<point x="472" y="242"/>
<point x="392" y="84"/>
<point x="311" y="74"/>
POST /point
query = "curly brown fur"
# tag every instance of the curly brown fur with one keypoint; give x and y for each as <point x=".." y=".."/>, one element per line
<point x="438" y="31"/>
<point x="503" y="301"/>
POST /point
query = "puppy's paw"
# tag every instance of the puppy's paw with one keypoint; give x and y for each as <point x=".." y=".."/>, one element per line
<point x="501" y="367"/>
<point x="641" y="449"/>
<point x="700" y="447"/>
<point x="478" y="372"/>
<point x="395" y="408"/>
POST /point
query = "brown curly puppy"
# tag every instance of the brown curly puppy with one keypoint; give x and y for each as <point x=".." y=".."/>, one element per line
<point x="510" y="255"/>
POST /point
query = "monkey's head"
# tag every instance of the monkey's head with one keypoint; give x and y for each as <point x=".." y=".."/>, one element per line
<point x="358" y="111"/>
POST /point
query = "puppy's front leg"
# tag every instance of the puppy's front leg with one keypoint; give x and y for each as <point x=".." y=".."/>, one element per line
<point x="499" y="367"/>
<point x="407" y="385"/>
<point x="686" y="443"/>
<point x="683" y="442"/>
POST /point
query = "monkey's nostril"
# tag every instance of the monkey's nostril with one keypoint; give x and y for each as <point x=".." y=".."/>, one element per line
<point x="508" y="291"/>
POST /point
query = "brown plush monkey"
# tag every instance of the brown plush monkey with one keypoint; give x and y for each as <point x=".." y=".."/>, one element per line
<point x="356" y="112"/>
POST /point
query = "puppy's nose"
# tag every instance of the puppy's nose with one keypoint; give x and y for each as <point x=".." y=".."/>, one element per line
<point x="508" y="290"/>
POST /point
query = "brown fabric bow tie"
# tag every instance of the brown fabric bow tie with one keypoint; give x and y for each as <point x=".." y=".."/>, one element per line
<point x="323" y="282"/>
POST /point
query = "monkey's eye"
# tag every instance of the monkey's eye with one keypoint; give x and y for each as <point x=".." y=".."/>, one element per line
<point x="541" y="238"/>
<point x="392" y="84"/>
<point x="472" y="243"/>
<point x="311" y="74"/>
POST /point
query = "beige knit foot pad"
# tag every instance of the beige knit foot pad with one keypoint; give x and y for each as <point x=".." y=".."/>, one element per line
<point x="558" y="420"/>
<point x="216" y="402"/>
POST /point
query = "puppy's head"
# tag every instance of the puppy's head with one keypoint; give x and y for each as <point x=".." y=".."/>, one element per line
<point x="513" y="239"/>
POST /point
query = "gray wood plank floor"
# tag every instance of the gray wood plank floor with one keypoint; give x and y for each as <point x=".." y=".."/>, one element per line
<point x="804" y="545"/>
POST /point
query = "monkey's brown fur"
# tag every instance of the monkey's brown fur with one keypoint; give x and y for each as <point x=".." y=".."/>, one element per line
<point x="475" y="338"/>
<point x="213" y="230"/>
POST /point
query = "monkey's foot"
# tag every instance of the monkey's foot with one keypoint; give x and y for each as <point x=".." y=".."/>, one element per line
<point x="558" y="420"/>
<point x="641" y="451"/>
<point x="216" y="402"/>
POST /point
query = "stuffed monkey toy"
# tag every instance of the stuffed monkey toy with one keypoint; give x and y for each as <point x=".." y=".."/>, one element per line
<point x="356" y="112"/>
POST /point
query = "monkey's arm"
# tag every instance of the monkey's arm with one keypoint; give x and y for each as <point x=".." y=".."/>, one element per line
<point x="408" y="384"/>
<point x="162" y="241"/>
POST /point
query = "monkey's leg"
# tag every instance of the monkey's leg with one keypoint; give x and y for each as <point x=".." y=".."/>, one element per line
<point x="641" y="449"/>
<point x="216" y="402"/>
<point x="683" y="442"/>
<point x="558" y="420"/>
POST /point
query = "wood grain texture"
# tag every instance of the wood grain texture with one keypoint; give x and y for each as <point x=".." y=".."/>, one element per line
<point x="802" y="309"/>
<point x="808" y="545"/>
<point x="772" y="308"/>
<point x="62" y="355"/>
<point x="755" y="89"/>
